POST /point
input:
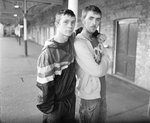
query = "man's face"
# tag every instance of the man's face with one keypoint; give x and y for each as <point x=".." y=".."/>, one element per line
<point x="66" y="25"/>
<point x="92" y="21"/>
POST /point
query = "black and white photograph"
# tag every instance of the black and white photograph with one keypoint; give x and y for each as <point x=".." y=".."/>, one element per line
<point x="74" y="61"/>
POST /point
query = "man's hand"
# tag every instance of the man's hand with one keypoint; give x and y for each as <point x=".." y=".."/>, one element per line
<point x="40" y="97"/>
<point x="101" y="38"/>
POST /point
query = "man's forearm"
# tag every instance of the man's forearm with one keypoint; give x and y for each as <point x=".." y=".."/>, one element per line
<point x="46" y="99"/>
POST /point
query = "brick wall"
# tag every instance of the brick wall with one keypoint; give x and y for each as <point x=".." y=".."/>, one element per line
<point x="142" y="77"/>
<point x="113" y="10"/>
<point x="119" y="9"/>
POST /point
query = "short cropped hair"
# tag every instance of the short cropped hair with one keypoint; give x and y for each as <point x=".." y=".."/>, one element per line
<point x="64" y="12"/>
<point x="92" y="8"/>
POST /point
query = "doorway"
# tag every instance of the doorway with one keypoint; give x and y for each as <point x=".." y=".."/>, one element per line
<point x="126" y="42"/>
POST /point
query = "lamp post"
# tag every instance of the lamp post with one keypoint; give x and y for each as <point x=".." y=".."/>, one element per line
<point x="24" y="11"/>
<point x="25" y="27"/>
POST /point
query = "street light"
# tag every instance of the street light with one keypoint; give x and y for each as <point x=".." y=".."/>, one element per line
<point x="15" y="15"/>
<point x="16" y="6"/>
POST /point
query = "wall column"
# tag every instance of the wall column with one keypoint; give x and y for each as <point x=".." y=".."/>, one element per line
<point x="73" y="5"/>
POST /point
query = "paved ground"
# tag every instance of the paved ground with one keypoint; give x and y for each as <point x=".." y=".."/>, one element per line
<point x="126" y="103"/>
<point x="17" y="82"/>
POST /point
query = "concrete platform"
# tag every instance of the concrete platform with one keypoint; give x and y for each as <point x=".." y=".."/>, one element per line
<point x="18" y="91"/>
<point x="126" y="102"/>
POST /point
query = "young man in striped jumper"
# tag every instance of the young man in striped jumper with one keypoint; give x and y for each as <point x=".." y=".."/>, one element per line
<point x="56" y="72"/>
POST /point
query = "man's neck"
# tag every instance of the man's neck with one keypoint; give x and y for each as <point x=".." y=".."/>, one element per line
<point x="86" y="34"/>
<point x="60" y="38"/>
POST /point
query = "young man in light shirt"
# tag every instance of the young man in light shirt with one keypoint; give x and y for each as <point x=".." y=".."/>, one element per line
<point x="92" y="66"/>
